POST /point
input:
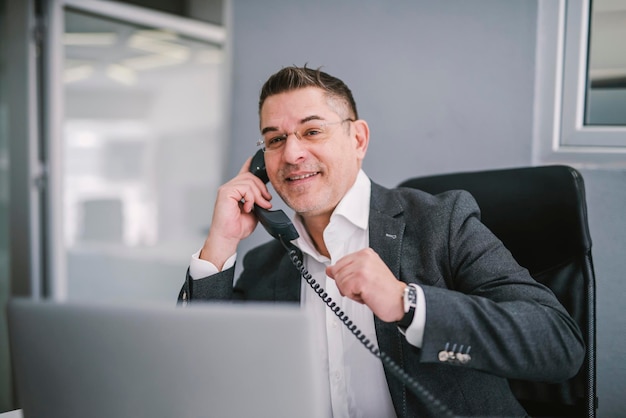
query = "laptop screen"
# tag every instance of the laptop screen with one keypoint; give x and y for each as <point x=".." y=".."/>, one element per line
<point x="210" y="360"/>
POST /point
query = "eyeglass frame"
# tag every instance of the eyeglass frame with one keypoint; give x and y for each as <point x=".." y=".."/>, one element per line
<point x="261" y="142"/>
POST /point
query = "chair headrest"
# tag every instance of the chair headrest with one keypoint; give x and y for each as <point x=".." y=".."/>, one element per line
<point x="539" y="213"/>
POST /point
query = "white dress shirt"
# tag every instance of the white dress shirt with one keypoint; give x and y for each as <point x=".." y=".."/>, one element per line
<point x="357" y="383"/>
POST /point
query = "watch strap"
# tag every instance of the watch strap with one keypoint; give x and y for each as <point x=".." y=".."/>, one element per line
<point x="409" y="299"/>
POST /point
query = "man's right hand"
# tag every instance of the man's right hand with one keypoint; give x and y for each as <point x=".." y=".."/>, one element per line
<point x="233" y="216"/>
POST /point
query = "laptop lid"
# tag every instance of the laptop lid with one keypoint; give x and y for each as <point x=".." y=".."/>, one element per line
<point x="211" y="360"/>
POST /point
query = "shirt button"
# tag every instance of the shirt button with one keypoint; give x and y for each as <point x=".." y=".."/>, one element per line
<point x="337" y="375"/>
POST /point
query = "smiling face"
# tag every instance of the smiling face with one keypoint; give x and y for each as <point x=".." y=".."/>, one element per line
<point x="312" y="177"/>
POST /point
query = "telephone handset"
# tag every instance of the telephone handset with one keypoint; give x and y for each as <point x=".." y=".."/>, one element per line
<point x="275" y="222"/>
<point x="278" y="225"/>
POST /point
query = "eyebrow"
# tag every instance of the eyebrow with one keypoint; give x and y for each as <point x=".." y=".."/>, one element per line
<point x="304" y="120"/>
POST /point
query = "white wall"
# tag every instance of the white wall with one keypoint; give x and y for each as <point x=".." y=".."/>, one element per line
<point x="445" y="86"/>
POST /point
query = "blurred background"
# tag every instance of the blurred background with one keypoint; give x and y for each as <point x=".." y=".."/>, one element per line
<point x="119" y="120"/>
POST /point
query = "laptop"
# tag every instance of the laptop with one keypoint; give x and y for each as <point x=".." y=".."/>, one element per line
<point x="218" y="360"/>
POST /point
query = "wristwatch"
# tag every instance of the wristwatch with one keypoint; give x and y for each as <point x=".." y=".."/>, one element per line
<point x="409" y="298"/>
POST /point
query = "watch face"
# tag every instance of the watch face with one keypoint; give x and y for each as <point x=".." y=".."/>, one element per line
<point x="412" y="296"/>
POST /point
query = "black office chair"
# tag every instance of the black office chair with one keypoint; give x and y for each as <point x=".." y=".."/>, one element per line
<point x="540" y="214"/>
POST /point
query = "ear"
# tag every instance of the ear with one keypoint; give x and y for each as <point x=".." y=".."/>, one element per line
<point x="362" y="136"/>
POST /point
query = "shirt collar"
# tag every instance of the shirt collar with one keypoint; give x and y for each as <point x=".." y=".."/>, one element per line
<point x="354" y="207"/>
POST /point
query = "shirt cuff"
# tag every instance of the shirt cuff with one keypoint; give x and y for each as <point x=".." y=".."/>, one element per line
<point x="199" y="268"/>
<point x="415" y="332"/>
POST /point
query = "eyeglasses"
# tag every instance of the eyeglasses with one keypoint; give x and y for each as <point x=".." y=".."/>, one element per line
<point x="311" y="132"/>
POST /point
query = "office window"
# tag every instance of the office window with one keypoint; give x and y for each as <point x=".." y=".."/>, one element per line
<point x="605" y="103"/>
<point x="580" y="112"/>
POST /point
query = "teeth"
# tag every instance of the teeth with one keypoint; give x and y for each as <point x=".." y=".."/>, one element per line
<point x="301" y="177"/>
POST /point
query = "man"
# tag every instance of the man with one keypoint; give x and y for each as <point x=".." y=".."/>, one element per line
<point x="423" y="279"/>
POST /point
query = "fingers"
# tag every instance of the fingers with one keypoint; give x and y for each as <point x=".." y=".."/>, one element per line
<point x="232" y="214"/>
<point x="363" y="277"/>
<point x="233" y="219"/>
<point x="351" y="274"/>
<point x="247" y="189"/>
<point x="245" y="173"/>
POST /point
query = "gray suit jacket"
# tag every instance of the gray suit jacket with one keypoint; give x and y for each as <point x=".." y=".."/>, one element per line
<point x="479" y="303"/>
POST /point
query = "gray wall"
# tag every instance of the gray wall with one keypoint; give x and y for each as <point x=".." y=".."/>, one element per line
<point x="445" y="86"/>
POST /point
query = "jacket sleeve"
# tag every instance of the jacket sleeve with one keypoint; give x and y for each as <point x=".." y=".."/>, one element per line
<point x="267" y="275"/>
<point x="216" y="287"/>
<point x="491" y="315"/>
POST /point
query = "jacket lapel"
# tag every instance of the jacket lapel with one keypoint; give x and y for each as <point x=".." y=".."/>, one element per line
<point x="387" y="227"/>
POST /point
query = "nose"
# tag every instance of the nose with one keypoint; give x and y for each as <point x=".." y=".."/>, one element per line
<point x="294" y="150"/>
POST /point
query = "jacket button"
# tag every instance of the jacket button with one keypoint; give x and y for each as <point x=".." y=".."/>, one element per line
<point x="463" y="358"/>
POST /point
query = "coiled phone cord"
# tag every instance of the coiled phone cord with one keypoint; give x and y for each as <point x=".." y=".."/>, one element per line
<point x="418" y="390"/>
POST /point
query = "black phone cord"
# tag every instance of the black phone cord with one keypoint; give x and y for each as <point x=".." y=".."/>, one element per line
<point x="428" y="399"/>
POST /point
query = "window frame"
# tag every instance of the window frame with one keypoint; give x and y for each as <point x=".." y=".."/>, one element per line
<point x="560" y="135"/>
